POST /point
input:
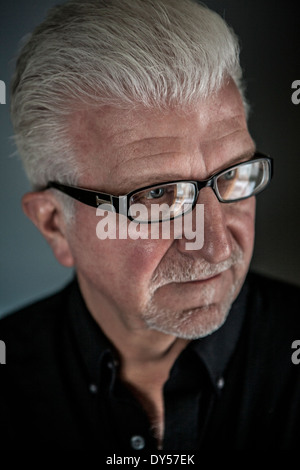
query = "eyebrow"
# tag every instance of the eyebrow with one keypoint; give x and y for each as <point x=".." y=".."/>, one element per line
<point x="165" y="177"/>
<point x="235" y="160"/>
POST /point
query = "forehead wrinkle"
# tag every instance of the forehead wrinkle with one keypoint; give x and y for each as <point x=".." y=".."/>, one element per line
<point x="140" y="152"/>
<point x="147" y="147"/>
<point x="153" y="139"/>
<point x="219" y="128"/>
<point x="224" y="136"/>
<point x="148" y="171"/>
<point x="141" y="158"/>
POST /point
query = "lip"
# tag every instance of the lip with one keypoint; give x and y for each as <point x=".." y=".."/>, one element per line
<point x="202" y="281"/>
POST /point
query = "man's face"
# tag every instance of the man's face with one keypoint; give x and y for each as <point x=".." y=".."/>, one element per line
<point x="159" y="284"/>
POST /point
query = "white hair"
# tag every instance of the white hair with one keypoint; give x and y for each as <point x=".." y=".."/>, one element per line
<point x="154" y="53"/>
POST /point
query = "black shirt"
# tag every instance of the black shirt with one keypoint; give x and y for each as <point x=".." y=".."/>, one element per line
<point x="234" y="389"/>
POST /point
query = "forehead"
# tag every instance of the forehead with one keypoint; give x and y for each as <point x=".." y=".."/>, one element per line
<point x="118" y="149"/>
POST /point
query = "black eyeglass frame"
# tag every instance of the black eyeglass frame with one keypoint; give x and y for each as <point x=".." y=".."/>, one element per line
<point x="121" y="203"/>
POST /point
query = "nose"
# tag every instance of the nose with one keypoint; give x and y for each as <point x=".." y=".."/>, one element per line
<point x="217" y="246"/>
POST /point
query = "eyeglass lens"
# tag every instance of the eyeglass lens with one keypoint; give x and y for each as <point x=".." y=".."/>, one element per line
<point x="163" y="202"/>
<point x="243" y="180"/>
<point x="171" y="200"/>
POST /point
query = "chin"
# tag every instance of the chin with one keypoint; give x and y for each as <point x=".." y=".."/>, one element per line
<point x="189" y="324"/>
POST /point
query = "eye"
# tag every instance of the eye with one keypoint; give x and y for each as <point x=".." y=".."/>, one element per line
<point x="156" y="193"/>
<point x="229" y="175"/>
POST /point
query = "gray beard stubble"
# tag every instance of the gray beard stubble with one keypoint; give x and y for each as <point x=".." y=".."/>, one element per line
<point x="197" y="322"/>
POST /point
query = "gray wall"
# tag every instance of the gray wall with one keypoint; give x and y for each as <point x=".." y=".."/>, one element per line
<point x="269" y="34"/>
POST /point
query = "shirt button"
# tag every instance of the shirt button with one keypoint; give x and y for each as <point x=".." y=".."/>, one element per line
<point x="137" y="442"/>
<point x="112" y="363"/>
<point x="220" y="383"/>
<point x="93" y="388"/>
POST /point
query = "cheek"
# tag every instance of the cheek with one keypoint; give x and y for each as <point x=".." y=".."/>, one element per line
<point x="121" y="262"/>
<point x="140" y="258"/>
<point x="241" y="223"/>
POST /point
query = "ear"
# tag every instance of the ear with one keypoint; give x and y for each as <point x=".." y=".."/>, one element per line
<point x="45" y="211"/>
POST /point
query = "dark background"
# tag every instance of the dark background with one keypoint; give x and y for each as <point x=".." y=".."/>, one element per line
<point x="269" y="33"/>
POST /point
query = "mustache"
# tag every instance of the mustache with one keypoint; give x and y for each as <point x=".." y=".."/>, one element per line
<point x="185" y="269"/>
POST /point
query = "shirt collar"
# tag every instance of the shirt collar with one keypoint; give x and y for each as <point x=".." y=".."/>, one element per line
<point x="94" y="347"/>
<point x="215" y="350"/>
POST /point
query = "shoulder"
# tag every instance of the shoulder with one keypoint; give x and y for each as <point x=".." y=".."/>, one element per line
<point x="273" y="305"/>
<point x="270" y="283"/>
<point x="31" y="382"/>
<point x="34" y="324"/>
<point x="272" y="324"/>
<point x="273" y="294"/>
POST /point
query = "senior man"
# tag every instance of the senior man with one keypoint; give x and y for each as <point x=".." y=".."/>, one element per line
<point x="155" y="345"/>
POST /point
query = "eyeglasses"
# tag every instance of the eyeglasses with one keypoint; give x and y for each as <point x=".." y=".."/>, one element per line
<point x="172" y="199"/>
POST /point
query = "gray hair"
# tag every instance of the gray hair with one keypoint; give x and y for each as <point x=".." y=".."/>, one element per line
<point x="154" y="53"/>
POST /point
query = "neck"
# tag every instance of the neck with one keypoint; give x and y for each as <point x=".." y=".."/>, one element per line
<point x="136" y="344"/>
<point x="145" y="368"/>
<point x="142" y="350"/>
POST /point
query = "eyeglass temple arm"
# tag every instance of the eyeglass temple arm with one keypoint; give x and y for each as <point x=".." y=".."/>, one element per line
<point x="91" y="198"/>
